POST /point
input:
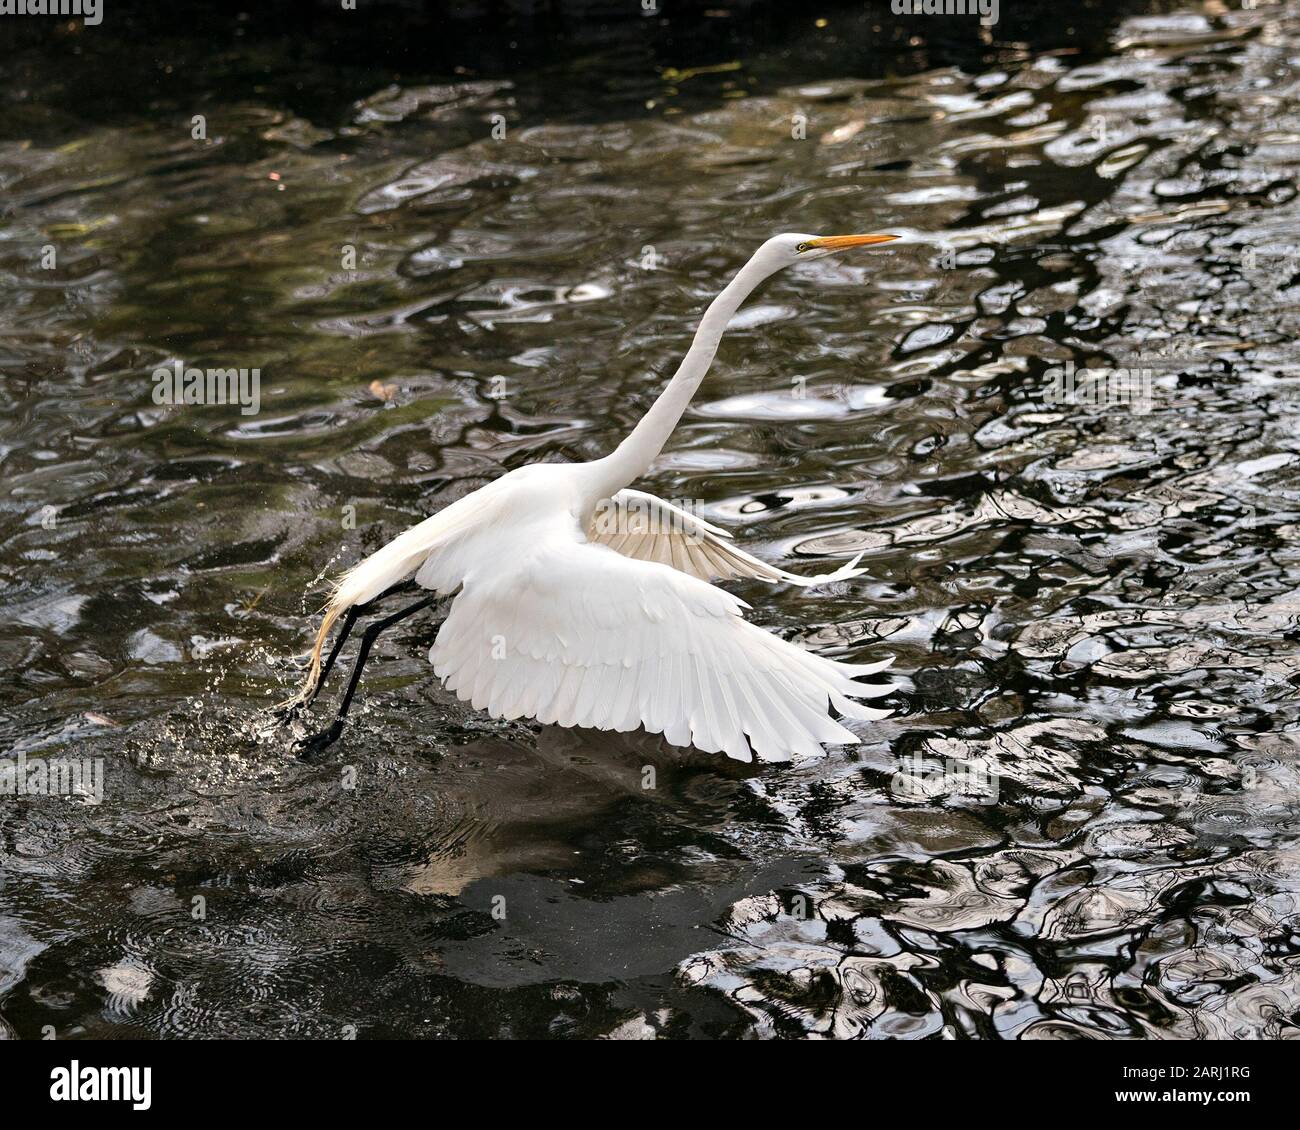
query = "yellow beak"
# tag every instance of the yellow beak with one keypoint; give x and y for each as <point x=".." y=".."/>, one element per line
<point x="844" y="242"/>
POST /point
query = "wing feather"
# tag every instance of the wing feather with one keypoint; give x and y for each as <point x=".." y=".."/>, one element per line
<point x="580" y="634"/>
<point x="646" y="528"/>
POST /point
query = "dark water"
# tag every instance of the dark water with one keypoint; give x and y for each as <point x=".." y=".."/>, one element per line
<point x="1095" y="601"/>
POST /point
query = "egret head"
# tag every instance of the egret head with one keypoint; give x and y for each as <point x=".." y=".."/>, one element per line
<point x="798" y="247"/>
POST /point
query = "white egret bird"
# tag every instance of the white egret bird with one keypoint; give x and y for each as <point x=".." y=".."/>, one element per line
<point x="583" y="603"/>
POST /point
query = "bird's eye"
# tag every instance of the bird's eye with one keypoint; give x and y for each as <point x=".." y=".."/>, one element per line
<point x="802" y="246"/>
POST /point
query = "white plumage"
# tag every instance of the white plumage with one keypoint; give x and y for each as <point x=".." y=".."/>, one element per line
<point x="581" y="602"/>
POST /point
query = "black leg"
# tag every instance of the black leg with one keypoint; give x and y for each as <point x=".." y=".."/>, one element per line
<point x="318" y="742"/>
<point x="304" y="698"/>
<point x="348" y="621"/>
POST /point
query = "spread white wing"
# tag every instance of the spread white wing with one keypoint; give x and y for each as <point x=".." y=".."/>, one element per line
<point x="576" y="634"/>
<point x="647" y="528"/>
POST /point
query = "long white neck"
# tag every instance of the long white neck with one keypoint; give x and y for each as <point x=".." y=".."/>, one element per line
<point x="633" y="457"/>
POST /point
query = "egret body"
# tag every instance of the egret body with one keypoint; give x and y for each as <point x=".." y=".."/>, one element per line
<point x="581" y="602"/>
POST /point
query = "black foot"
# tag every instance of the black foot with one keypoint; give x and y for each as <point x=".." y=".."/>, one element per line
<point x="314" y="747"/>
<point x="285" y="712"/>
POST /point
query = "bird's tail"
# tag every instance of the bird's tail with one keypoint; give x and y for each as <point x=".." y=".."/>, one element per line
<point x="332" y="613"/>
<point x="304" y="693"/>
<point x="393" y="563"/>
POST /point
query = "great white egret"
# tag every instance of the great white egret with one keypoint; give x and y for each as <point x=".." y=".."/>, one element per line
<point x="584" y="603"/>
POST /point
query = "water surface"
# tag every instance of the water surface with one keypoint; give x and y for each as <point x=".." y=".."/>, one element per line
<point x="1097" y="602"/>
